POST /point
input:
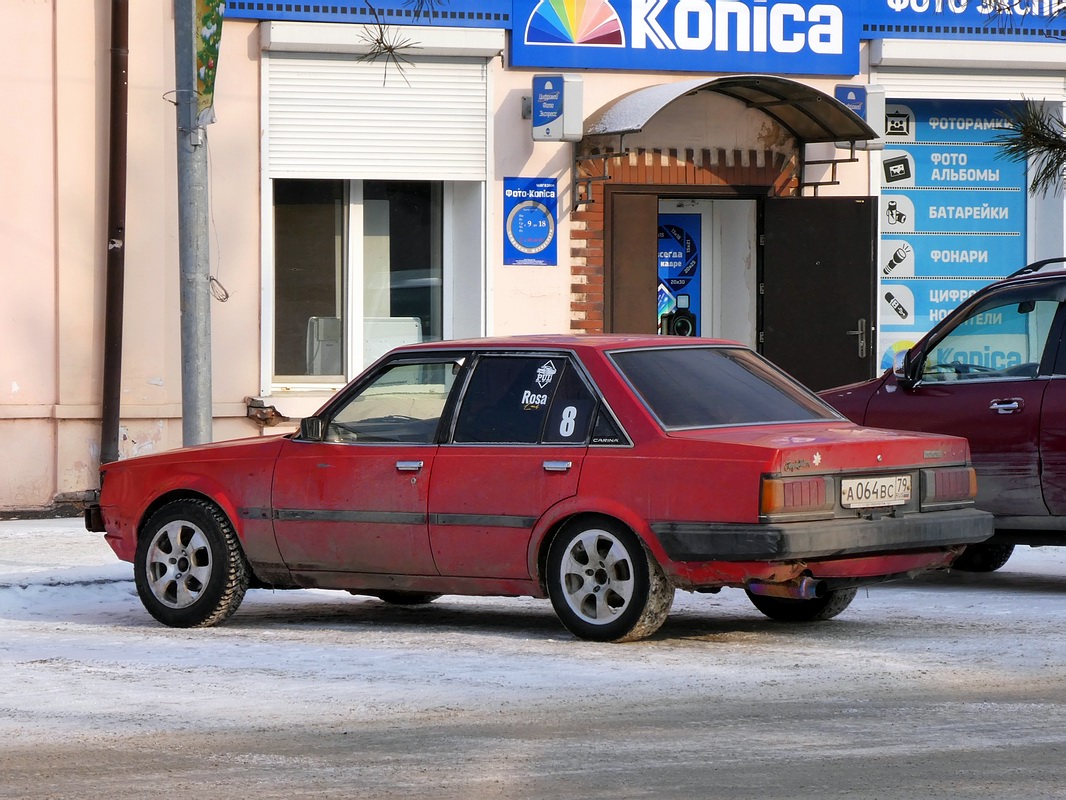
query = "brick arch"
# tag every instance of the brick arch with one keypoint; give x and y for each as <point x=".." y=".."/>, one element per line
<point x="776" y="171"/>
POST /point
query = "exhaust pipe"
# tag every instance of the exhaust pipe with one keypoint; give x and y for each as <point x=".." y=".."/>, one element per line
<point x="805" y="588"/>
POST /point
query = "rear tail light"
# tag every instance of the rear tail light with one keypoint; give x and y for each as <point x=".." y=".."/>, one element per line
<point x="948" y="486"/>
<point x="783" y="499"/>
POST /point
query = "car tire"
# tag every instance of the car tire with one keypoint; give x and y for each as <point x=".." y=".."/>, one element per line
<point x="189" y="569"/>
<point x="604" y="584"/>
<point x="983" y="557"/>
<point x="785" y="609"/>
<point x="400" y="598"/>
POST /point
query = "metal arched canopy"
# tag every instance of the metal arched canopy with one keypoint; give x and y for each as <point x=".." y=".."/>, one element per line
<point x="807" y="113"/>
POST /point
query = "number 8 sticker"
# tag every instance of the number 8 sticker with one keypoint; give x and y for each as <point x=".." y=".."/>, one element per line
<point x="566" y="427"/>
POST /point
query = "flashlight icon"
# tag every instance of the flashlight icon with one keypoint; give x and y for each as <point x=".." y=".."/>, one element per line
<point x="898" y="258"/>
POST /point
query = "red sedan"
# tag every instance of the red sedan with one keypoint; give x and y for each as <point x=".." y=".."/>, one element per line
<point x="602" y="472"/>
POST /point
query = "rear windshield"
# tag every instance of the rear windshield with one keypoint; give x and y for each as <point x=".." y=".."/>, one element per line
<point x="699" y="387"/>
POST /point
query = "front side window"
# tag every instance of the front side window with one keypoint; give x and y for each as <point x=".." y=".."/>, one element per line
<point x="525" y="400"/>
<point x="355" y="262"/>
<point x="1004" y="338"/>
<point x="403" y="404"/>
<point x="699" y="387"/>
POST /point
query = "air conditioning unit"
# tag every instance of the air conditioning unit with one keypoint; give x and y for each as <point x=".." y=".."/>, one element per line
<point x="324" y="351"/>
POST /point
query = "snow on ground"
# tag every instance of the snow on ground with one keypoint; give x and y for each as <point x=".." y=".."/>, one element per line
<point x="81" y="659"/>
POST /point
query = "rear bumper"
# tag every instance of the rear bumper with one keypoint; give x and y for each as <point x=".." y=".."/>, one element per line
<point x="838" y="538"/>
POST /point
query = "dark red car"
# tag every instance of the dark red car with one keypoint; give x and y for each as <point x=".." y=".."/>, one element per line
<point x="994" y="371"/>
<point x="603" y="472"/>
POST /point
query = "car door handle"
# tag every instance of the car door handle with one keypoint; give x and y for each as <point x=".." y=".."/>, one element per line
<point x="557" y="466"/>
<point x="408" y="466"/>
<point x="1008" y="405"/>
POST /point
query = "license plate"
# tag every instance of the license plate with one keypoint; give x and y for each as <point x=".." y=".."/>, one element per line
<point x="888" y="490"/>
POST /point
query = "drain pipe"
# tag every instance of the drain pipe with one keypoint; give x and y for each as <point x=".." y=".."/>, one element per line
<point x="116" y="233"/>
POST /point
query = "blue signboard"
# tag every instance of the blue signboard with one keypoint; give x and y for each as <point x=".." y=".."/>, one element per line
<point x="1025" y="21"/>
<point x="780" y="24"/>
<point x="680" y="277"/>
<point x="853" y="97"/>
<point x="530" y="209"/>
<point x="761" y="36"/>
<point x="547" y="99"/>
<point x="953" y="212"/>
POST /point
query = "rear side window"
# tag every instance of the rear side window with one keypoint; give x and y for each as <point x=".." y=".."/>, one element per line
<point x="525" y="400"/>
<point x="697" y="387"/>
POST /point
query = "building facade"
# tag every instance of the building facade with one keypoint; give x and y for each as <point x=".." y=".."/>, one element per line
<point x="820" y="181"/>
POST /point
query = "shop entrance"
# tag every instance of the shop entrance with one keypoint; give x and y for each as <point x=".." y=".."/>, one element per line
<point x="792" y="277"/>
<point x="706" y="268"/>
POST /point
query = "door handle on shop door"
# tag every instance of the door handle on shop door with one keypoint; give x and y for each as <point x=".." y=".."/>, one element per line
<point x="861" y="333"/>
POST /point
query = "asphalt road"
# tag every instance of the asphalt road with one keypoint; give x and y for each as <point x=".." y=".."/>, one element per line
<point x="949" y="686"/>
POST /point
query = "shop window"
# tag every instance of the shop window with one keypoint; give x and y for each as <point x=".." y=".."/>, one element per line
<point x="357" y="264"/>
<point x="309" y="245"/>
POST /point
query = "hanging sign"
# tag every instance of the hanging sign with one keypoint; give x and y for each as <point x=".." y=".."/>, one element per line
<point x="208" y="39"/>
<point x="558" y="115"/>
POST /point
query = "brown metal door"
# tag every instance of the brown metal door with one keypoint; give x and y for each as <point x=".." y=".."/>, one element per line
<point x="632" y="279"/>
<point x="818" y="319"/>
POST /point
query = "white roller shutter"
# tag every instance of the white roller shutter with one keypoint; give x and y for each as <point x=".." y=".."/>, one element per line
<point x="335" y="116"/>
<point x="960" y="70"/>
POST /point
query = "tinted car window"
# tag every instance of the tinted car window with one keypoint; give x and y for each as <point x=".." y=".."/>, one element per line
<point x="571" y="410"/>
<point x="402" y="404"/>
<point x="510" y="398"/>
<point x="693" y="387"/>
<point x="1002" y="338"/>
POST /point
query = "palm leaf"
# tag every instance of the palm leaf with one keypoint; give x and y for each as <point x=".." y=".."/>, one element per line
<point x="1035" y="136"/>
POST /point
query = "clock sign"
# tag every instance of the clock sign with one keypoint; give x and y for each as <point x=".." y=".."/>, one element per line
<point x="530" y="227"/>
<point x="530" y="206"/>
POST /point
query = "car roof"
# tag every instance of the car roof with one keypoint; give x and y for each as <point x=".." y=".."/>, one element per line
<point x="569" y="341"/>
<point x="1037" y="270"/>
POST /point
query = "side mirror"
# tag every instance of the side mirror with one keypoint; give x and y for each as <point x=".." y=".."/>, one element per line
<point x="902" y="369"/>
<point x="312" y="429"/>
<point x="899" y="362"/>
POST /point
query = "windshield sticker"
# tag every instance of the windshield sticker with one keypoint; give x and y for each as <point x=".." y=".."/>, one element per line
<point x="531" y="401"/>
<point x="545" y="373"/>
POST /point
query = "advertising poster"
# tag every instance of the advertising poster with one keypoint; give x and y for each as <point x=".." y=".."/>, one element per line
<point x="679" y="274"/>
<point x="530" y="212"/>
<point x="953" y="213"/>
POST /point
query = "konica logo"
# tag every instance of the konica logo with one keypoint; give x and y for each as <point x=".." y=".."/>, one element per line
<point x="738" y="27"/>
<point x="776" y="36"/>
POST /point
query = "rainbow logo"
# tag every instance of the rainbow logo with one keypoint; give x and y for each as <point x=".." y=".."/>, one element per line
<point x="585" y="22"/>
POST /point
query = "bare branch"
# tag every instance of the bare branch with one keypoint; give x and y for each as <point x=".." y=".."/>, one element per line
<point x="387" y="43"/>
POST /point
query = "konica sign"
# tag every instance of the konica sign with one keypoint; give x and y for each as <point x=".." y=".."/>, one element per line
<point x="763" y="36"/>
